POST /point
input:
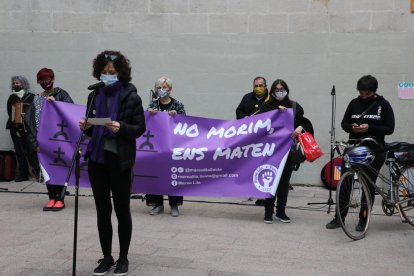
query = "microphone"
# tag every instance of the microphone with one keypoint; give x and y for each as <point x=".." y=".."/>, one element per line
<point x="97" y="85"/>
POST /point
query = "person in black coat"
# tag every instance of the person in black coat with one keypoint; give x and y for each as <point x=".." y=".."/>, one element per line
<point x="279" y="99"/>
<point x="46" y="79"/>
<point x="252" y="101"/>
<point x="378" y="120"/>
<point x="111" y="153"/>
<point x="22" y="96"/>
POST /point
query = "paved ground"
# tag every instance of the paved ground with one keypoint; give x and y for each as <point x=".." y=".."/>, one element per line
<point x="207" y="239"/>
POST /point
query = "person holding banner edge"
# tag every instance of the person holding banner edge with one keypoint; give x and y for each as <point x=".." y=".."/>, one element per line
<point x="164" y="102"/>
<point x="46" y="79"/>
<point x="111" y="153"/>
<point x="279" y="99"/>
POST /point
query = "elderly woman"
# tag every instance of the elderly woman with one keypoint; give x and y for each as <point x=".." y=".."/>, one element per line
<point x="21" y="96"/>
<point x="46" y="79"/>
<point x="111" y="153"/>
<point x="166" y="103"/>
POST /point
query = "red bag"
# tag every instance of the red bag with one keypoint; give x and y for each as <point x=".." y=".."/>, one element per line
<point x="310" y="148"/>
<point x="326" y="173"/>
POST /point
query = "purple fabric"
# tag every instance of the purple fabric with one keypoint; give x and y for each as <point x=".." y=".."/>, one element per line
<point x="96" y="146"/>
<point x="183" y="155"/>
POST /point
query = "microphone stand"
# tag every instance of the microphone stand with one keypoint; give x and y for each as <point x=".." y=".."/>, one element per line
<point x="76" y="164"/>
<point x="330" y="201"/>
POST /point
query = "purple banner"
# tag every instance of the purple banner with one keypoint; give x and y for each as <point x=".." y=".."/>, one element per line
<point x="182" y="155"/>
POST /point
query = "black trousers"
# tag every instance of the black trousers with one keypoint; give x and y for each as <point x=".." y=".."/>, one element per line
<point x="55" y="191"/>
<point x="345" y="194"/>
<point x="157" y="200"/>
<point x="106" y="178"/>
<point x="24" y="154"/>
<point x="282" y="191"/>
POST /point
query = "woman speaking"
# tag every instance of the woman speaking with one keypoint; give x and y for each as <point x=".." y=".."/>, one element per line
<point x="111" y="153"/>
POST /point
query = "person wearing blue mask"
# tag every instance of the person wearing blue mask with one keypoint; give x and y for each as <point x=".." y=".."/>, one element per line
<point x="164" y="102"/>
<point x="111" y="153"/>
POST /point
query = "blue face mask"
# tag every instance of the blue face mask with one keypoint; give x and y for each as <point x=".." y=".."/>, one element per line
<point x="162" y="92"/>
<point x="109" y="79"/>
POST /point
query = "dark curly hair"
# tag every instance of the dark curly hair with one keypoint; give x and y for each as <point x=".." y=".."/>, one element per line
<point x="121" y="64"/>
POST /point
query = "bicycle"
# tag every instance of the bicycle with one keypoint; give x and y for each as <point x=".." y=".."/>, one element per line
<point x="353" y="193"/>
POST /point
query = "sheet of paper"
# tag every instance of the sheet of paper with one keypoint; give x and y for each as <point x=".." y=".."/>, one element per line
<point x="99" y="121"/>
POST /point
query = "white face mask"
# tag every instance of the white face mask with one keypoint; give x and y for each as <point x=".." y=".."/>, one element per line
<point x="280" y="95"/>
<point x="20" y="94"/>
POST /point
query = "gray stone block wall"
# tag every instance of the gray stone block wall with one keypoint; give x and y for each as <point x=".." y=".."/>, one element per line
<point x="213" y="49"/>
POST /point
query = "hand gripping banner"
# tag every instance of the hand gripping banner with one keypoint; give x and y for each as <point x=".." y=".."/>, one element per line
<point x="182" y="155"/>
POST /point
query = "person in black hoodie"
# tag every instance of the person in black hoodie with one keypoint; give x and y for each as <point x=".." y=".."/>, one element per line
<point x="377" y="121"/>
<point x="46" y="79"/>
<point x="279" y="100"/>
<point x="25" y="156"/>
<point x="111" y="153"/>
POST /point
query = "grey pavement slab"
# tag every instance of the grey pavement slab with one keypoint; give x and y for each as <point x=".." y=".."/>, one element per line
<point x="212" y="236"/>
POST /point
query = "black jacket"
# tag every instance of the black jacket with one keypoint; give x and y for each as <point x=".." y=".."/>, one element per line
<point x="249" y="105"/>
<point x="60" y="95"/>
<point x="299" y="119"/>
<point x="379" y="117"/>
<point x="27" y="99"/>
<point x="132" y="121"/>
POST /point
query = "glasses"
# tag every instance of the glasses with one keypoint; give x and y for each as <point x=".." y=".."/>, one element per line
<point x="259" y="85"/>
<point x="111" y="57"/>
<point x="280" y="90"/>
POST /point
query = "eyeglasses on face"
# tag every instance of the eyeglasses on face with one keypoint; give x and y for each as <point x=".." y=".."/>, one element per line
<point x="259" y="85"/>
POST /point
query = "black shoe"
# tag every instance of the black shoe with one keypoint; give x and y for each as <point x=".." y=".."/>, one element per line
<point x="333" y="224"/>
<point x="282" y="217"/>
<point x="21" y="179"/>
<point x="268" y="218"/>
<point x="361" y="225"/>
<point x="121" y="267"/>
<point x="104" y="266"/>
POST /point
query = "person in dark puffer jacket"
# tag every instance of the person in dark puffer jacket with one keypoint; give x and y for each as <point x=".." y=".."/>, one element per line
<point x="111" y="153"/>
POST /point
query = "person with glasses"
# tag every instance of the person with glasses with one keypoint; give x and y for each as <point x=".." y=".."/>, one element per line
<point x="279" y="100"/>
<point x="111" y="153"/>
<point x="46" y="79"/>
<point x="164" y="102"/>
<point x="21" y="97"/>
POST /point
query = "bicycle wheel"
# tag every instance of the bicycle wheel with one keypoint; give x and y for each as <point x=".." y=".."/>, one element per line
<point x="406" y="193"/>
<point x="352" y="197"/>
